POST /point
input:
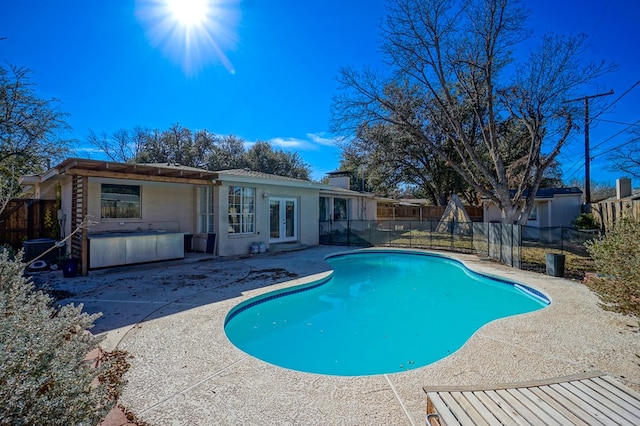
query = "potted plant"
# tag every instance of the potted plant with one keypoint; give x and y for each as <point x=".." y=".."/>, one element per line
<point x="69" y="266"/>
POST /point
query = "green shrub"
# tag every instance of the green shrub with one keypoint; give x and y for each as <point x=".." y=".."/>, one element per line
<point x="44" y="377"/>
<point x="617" y="259"/>
<point x="585" y="221"/>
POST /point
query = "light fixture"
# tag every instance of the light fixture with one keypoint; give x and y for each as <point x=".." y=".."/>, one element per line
<point x="265" y="195"/>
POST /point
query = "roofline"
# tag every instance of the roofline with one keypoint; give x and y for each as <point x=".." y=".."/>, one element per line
<point x="257" y="180"/>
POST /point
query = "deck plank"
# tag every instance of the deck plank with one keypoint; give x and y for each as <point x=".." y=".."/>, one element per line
<point x="584" y="399"/>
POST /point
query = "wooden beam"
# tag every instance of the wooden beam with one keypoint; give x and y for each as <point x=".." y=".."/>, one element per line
<point x="134" y="176"/>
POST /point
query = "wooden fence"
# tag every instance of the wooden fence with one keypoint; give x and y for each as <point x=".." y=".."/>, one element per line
<point x="607" y="213"/>
<point x="424" y="213"/>
<point x="27" y="219"/>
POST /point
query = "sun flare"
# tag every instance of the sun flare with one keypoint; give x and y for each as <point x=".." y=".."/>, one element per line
<point x="192" y="33"/>
<point x="190" y="13"/>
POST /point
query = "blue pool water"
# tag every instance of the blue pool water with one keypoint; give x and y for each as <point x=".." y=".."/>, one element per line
<point x="380" y="312"/>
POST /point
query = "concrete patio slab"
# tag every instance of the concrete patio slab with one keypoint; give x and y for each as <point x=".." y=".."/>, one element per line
<point x="170" y="318"/>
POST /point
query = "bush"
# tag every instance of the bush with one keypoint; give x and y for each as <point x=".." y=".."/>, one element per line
<point x="44" y="376"/>
<point x="585" y="221"/>
<point x="617" y="258"/>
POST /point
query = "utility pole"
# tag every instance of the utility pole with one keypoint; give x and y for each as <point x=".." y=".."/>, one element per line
<point x="587" y="155"/>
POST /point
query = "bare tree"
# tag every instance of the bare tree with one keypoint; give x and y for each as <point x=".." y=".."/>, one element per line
<point x="626" y="159"/>
<point x="452" y="71"/>
<point x="30" y="129"/>
<point x="122" y="145"/>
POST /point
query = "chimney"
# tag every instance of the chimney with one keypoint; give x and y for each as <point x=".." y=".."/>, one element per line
<point x="623" y="188"/>
<point x="340" y="182"/>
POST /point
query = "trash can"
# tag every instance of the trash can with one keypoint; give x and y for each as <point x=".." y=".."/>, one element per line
<point x="555" y="264"/>
<point x="188" y="243"/>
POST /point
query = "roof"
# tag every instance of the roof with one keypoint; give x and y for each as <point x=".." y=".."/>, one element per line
<point x="250" y="176"/>
<point x="552" y="192"/>
<point x="548" y="193"/>
<point x="98" y="168"/>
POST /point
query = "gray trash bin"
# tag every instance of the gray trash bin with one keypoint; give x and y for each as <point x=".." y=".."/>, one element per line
<point x="555" y="264"/>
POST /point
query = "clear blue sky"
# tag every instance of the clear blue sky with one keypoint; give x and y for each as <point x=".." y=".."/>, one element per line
<point x="272" y="73"/>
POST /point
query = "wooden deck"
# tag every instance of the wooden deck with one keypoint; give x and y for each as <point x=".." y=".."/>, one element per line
<point x="583" y="399"/>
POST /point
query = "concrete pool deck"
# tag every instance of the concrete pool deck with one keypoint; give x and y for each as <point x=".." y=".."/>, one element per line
<point x="170" y="317"/>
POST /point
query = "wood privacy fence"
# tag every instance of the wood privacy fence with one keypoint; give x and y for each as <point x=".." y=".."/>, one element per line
<point x="609" y="212"/>
<point x="423" y="213"/>
<point x="27" y="219"/>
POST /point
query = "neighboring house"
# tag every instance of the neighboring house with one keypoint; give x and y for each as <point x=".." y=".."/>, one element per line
<point x="131" y="207"/>
<point x="553" y="207"/>
<point x="419" y="209"/>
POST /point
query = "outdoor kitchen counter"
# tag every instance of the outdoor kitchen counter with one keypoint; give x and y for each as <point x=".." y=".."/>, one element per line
<point x="124" y="248"/>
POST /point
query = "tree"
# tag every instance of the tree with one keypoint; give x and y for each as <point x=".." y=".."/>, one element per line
<point x="121" y="146"/>
<point x="263" y="158"/>
<point x="228" y="153"/>
<point x="391" y="158"/>
<point x="454" y="85"/>
<point x="30" y="128"/>
<point x="200" y="149"/>
<point x="625" y="159"/>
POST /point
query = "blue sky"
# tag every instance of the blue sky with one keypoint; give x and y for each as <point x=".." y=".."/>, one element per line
<point x="268" y="70"/>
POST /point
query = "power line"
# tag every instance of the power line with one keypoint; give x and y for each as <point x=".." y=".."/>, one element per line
<point x="587" y="165"/>
<point x="613" y="136"/>
<point x="618" y="146"/>
<point x="608" y="107"/>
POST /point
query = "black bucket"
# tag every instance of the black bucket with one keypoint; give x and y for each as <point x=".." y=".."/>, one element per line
<point x="69" y="267"/>
<point x="555" y="264"/>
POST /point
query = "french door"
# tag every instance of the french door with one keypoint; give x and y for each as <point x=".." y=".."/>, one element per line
<point x="283" y="214"/>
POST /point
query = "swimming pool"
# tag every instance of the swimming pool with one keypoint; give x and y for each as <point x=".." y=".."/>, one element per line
<point x="379" y="312"/>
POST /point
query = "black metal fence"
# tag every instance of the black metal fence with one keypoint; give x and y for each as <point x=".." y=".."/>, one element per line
<point x="495" y="240"/>
<point x="515" y="245"/>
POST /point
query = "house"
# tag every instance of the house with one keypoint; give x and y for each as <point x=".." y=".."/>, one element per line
<point x="146" y="212"/>
<point x="553" y="207"/>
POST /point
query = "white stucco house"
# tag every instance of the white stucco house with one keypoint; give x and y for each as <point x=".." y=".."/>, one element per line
<point x="147" y="212"/>
<point x="553" y="207"/>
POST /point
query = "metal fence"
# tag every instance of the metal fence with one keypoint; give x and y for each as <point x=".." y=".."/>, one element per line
<point x="522" y="247"/>
<point x="491" y="240"/>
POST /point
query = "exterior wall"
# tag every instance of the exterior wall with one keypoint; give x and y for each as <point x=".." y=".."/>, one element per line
<point x="165" y="206"/>
<point x="559" y="211"/>
<point x="238" y="244"/>
<point x="565" y="208"/>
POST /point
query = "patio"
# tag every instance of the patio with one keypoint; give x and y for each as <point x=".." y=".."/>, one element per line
<point x="170" y="317"/>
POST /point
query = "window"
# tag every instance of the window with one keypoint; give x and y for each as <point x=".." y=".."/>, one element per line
<point x="120" y="201"/>
<point x="242" y="218"/>
<point x="205" y="210"/>
<point x="533" y="215"/>
<point x="325" y="216"/>
<point x="340" y="209"/>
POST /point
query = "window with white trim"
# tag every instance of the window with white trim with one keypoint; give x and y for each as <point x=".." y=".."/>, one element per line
<point x="205" y="210"/>
<point x="242" y="216"/>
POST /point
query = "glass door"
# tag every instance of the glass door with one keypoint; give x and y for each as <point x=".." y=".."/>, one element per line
<point x="283" y="213"/>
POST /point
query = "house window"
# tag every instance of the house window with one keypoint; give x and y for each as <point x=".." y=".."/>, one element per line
<point x="120" y="201"/>
<point x="242" y="217"/>
<point x="340" y="209"/>
<point x="325" y="214"/>
<point x="205" y="210"/>
<point x="533" y="215"/>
